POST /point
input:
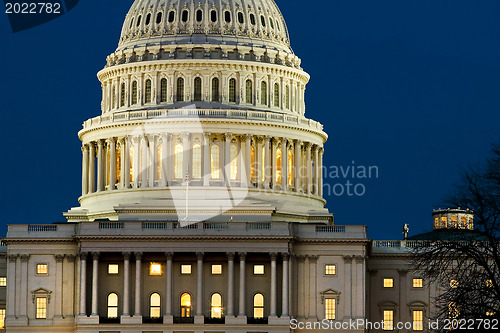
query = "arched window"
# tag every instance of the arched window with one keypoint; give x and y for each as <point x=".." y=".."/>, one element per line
<point x="185" y="305"/>
<point x="215" y="161"/>
<point x="249" y="97"/>
<point x="171" y="16"/>
<point x="234" y="162"/>
<point x="215" y="89"/>
<point x="199" y="15"/>
<point x="131" y="161"/>
<point x="258" y="306"/>
<point x="240" y="18"/>
<point x="122" y="95"/>
<point x="290" y="167"/>
<point x="252" y="163"/>
<point x="163" y="90"/>
<point x="180" y="89"/>
<point x="287" y="97"/>
<point x="227" y="16"/>
<point x="271" y="23"/>
<point x="197" y="89"/>
<point x="131" y="23"/>
<point x="148" y="19"/>
<point x="216" y="306"/>
<point x="148" y="91"/>
<point x="196" y="172"/>
<point x="159" y="160"/>
<point x="155" y="306"/>
<point x="262" y="20"/>
<point x="178" y="161"/>
<point x="139" y="20"/>
<point x="232" y="91"/>
<point x="276" y="95"/>
<point x="278" y="165"/>
<point x="185" y="15"/>
<point x="252" y="19"/>
<point x="213" y="16"/>
<point x="112" y="305"/>
<point x="134" y="92"/>
<point x="159" y="17"/>
<point x="263" y="93"/>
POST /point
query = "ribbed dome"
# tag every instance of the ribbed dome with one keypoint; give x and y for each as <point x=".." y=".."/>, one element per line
<point x="253" y="23"/>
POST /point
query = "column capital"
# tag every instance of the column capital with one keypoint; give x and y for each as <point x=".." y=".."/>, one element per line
<point x="100" y="143"/>
<point x="138" y="256"/>
<point x="70" y="257"/>
<point x="207" y="134"/>
<point x="228" y="136"/>
<point x="169" y="255"/>
<point x="200" y="255"/>
<point x="13" y="257"/>
<point x="111" y="140"/>
<point x="313" y="259"/>
<point x="244" y="137"/>
<point x="360" y="259"/>
<point x="186" y="135"/>
<point x="308" y="145"/>
<point x="126" y="255"/>
<point x="242" y="256"/>
<point x="25" y="257"/>
<point x="95" y="255"/>
<point x="267" y="138"/>
<point x="285" y="256"/>
<point x="83" y="255"/>
<point x="301" y="258"/>
<point x="230" y="256"/>
<point x="59" y="257"/>
<point x="348" y="259"/>
<point x="85" y="148"/>
<point x="273" y="256"/>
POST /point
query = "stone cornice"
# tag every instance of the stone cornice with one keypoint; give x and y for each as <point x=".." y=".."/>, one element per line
<point x="181" y="238"/>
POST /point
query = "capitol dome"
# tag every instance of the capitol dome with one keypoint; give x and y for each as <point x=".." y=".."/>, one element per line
<point x="203" y="116"/>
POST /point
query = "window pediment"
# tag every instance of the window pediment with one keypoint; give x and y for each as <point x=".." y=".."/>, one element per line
<point x="330" y="293"/>
<point x="41" y="292"/>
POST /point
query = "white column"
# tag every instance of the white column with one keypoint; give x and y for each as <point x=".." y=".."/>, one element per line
<point x="144" y="169"/>
<point x="316" y="170"/>
<point x="23" y="291"/>
<point x="284" y="164"/>
<point x="126" y="284"/>
<point x="112" y="163"/>
<point x="242" y="311"/>
<point x="230" y="284"/>
<point x="227" y="157"/>
<point x="308" y="177"/>
<point x="258" y="161"/>
<point x="286" y="287"/>
<point x="274" y="290"/>
<point x="83" y="284"/>
<point x="313" y="282"/>
<point x="138" y="277"/>
<point x="199" y="319"/>
<point x="164" y="159"/>
<point x="320" y="173"/>
<point x="137" y="157"/>
<point x="248" y="160"/>
<point x="100" y="166"/>
<point x="186" y="158"/>
<point x="274" y="165"/>
<point x="347" y="287"/>
<point x="296" y="166"/>
<point x="91" y="167"/>
<point x="267" y="162"/>
<point x="11" y="286"/>
<point x="59" y="285"/>
<point x="95" y="282"/>
<point x="168" y="298"/>
<point x="85" y="170"/>
<point x="152" y="160"/>
<point x="126" y="163"/>
<point x="206" y="159"/>
<point x="168" y="159"/>
<point x="69" y="270"/>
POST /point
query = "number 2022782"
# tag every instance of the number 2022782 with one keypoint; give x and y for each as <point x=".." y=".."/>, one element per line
<point x="33" y="8"/>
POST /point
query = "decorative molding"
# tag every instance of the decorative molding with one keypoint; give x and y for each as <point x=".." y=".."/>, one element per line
<point x="24" y="257"/>
<point x="230" y="256"/>
<point x="242" y="256"/>
<point x="12" y="257"/>
<point x="169" y="256"/>
<point x="273" y="256"/>
<point x="95" y="255"/>
<point x="70" y="257"/>
<point x="41" y="292"/>
<point x="330" y="293"/>
<point x="138" y="256"/>
<point x="59" y="257"/>
<point x="348" y="259"/>
<point x="126" y="255"/>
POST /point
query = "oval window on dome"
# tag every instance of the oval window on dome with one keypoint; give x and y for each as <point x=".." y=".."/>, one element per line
<point x="213" y="16"/>
<point x="227" y="16"/>
<point x="185" y="14"/>
<point x="199" y="15"/>
<point x="159" y="17"/>
<point x="139" y="20"/>
<point x="263" y="20"/>
<point x="240" y="18"/>
<point x="252" y="19"/>
<point x="171" y="16"/>
<point x="131" y="23"/>
<point x="271" y="23"/>
<point x="278" y="25"/>
<point x="148" y="19"/>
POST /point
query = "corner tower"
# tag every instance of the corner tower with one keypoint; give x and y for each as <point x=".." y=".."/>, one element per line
<point x="203" y="118"/>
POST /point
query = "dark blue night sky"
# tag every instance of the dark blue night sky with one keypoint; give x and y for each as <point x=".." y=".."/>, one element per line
<point x="411" y="87"/>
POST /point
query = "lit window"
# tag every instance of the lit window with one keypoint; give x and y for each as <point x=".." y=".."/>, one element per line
<point x="159" y="160"/>
<point x="470" y="224"/>
<point x="330" y="270"/>
<point x="258" y="269"/>
<point x="258" y="306"/>
<point x="330" y="308"/>
<point x="276" y="95"/>
<point x="215" y="89"/>
<point x="488" y="313"/>
<point x="148" y="91"/>
<point x="2" y="318"/>
<point x="131" y="164"/>
<point x="196" y="172"/>
<point x="185" y="305"/>
<point x="216" y="269"/>
<point x="3" y="281"/>
<point x="234" y="162"/>
<point x="232" y="91"/>
<point x="197" y="89"/>
<point x="112" y="268"/>
<point x="180" y="89"/>
<point x="278" y="165"/>
<point x="112" y="305"/>
<point x="444" y="222"/>
<point x="186" y="269"/>
<point x="42" y="269"/>
<point x="215" y="161"/>
<point x="155" y="306"/>
<point x="418" y="320"/>
<point x="179" y="151"/>
<point x="418" y="283"/>
<point x="154" y="268"/>
<point x="463" y="222"/>
<point x="249" y="95"/>
<point x="264" y="157"/>
<point x="436" y="223"/>
<point x="163" y="90"/>
<point x="216" y="306"/>
<point x="453" y="311"/>
<point x="489" y="283"/>
<point x="252" y="163"/>
<point x="118" y="166"/>
<point x="453" y="283"/>
<point x="290" y="167"/>
<point x="388" y="283"/>
<point x="263" y="93"/>
<point x="41" y="308"/>
<point x="388" y="320"/>
<point x="454" y="222"/>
